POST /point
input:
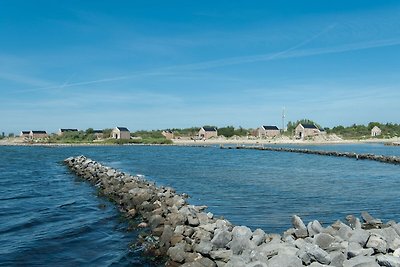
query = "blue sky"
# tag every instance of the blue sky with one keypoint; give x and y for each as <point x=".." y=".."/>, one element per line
<point x="162" y="64"/>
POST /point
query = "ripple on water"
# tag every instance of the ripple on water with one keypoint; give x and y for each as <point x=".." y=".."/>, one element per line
<point x="51" y="218"/>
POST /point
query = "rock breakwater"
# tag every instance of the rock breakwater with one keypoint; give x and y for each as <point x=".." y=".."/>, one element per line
<point x="380" y="158"/>
<point x="190" y="236"/>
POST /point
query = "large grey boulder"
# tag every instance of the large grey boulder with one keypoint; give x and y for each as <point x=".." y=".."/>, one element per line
<point x="337" y="258"/>
<point x="166" y="236"/>
<point x="155" y="221"/>
<point x="310" y="252"/>
<point x="177" y="253"/>
<point x="354" y="249"/>
<point x="201" y="234"/>
<point x="323" y="240"/>
<point x="258" y="237"/>
<point x="300" y="227"/>
<point x="345" y="232"/>
<point x="223" y="224"/>
<point x="205" y="262"/>
<point x="257" y="264"/>
<point x="369" y="219"/>
<point x="359" y="236"/>
<point x="221" y="255"/>
<point x="266" y="251"/>
<point x="284" y="260"/>
<point x="314" y="228"/>
<point x="377" y="243"/>
<point x="361" y="261"/>
<point x="204" y="247"/>
<point x="388" y="261"/>
<point x="241" y="232"/>
<point x="241" y="240"/>
<point x="236" y="261"/>
<point x="221" y="238"/>
<point x="193" y="221"/>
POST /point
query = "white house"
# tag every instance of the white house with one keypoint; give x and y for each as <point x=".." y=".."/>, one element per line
<point x="121" y="133"/>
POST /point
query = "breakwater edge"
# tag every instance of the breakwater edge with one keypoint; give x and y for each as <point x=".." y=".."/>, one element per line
<point x="190" y="236"/>
<point x="357" y="156"/>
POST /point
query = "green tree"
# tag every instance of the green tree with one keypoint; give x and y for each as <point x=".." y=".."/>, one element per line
<point x="227" y="131"/>
<point x="107" y="133"/>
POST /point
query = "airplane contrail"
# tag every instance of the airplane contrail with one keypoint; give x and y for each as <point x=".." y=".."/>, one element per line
<point x="290" y="52"/>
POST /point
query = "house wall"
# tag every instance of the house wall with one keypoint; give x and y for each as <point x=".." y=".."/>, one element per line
<point x="115" y="133"/>
<point x="24" y="134"/>
<point x="168" y="135"/>
<point x="302" y="133"/>
<point x="376" y="132"/>
<point x="125" y="135"/>
<point x="207" y="135"/>
<point x="272" y="133"/>
<point x="36" y="136"/>
<point x="260" y="132"/>
<point x="211" y="134"/>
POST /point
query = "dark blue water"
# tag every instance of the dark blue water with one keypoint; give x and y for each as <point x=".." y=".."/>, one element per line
<point x="49" y="217"/>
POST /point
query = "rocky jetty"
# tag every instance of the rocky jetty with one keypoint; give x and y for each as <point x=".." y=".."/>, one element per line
<point x="380" y="158"/>
<point x="189" y="236"/>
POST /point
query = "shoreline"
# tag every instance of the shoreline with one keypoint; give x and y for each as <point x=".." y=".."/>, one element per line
<point x="213" y="142"/>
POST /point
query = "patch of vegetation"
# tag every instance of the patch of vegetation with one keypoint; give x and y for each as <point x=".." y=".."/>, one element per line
<point x="192" y="131"/>
<point x="358" y="131"/>
<point x="230" y="131"/>
<point x="148" y="140"/>
<point x="73" y="137"/>
<point x="154" y="134"/>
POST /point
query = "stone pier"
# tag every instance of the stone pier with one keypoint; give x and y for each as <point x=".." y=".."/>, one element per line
<point x="188" y="235"/>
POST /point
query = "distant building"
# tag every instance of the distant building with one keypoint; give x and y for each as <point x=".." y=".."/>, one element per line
<point x="62" y="131"/>
<point x="376" y="131"/>
<point x="98" y="134"/>
<point x="37" y="134"/>
<point x="168" y="134"/>
<point x="306" y="130"/>
<point x="24" y="134"/>
<point x="121" y="133"/>
<point x="267" y="131"/>
<point x="207" y="132"/>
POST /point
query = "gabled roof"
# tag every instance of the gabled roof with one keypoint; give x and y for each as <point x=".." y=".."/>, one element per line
<point x="270" y="127"/>
<point x="123" y="129"/>
<point x="309" y="126"/>
<point x="97" y="131"/>
<point x="39" y="132"/>
<point x="209" y="129"/>
<point x="68" y="130"/>
<point x="25" y="132"/>
<point x="376" y="128"/>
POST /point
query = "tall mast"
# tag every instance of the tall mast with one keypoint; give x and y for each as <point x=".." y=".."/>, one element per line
<point x="283" y="119"/>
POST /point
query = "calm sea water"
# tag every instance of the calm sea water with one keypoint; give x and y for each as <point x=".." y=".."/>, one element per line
<point x="49" y="217"/>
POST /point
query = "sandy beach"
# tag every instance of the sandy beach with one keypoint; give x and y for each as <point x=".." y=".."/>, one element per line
<point x="319" y="140"/>
<point x="283" y="140"/>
